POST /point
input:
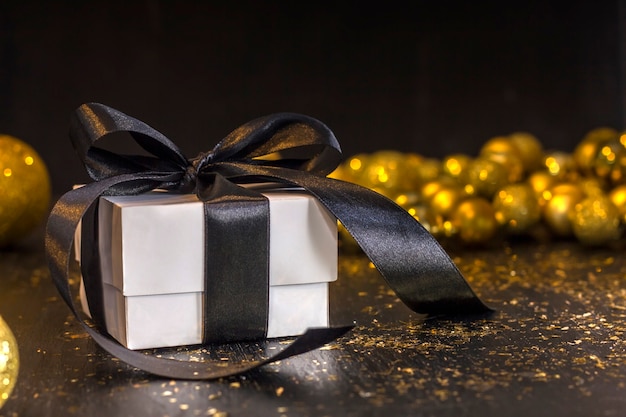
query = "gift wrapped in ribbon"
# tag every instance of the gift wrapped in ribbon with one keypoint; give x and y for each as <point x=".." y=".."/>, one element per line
<point x="303" y="151"/>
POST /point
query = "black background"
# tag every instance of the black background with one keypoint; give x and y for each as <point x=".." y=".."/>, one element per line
<point x="432" y="77"/>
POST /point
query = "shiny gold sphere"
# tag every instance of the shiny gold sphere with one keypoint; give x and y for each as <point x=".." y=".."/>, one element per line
<point x="429" y="169"/>
<point x="455" y="165"/>
<point x="541" y="181"/>
<point x="432" y="187"/>
<point x="24" y="189"/>
<point x="384" y="170"/>
<point x="607" y="157"/>
<point x="517" y="208"/>
<point x="474" y="220"/>
<point x="412" y="174"/>
<point x="592" y="186"/>
<point x="618" y="198"/>
<point x="445" y="200"/>
<point x="530" y="149"/>
<point x="587" y="149"/>
<point x="559" y="164"/>
<point x="9" y="361"/>
<point x="427" y="218"/>
<point x="486" y="176"/>
<point x="596" y="221"/>
<point x="558" y="210"/>
<point x="618" y="172"/>
<point x="501" y="149"/>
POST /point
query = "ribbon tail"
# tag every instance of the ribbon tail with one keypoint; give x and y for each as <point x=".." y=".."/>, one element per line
<point x="62" y="223"/>
<point x="408" y="257"/>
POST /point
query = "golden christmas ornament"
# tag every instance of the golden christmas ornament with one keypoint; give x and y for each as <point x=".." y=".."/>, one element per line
<point x="24" y="189"/>
<point x="559" y="164"/>
<point x="558" y="210"/>
<point x="455" y="165"/>
<point x="530" y="149"/>
<point x="9" y="361"/>
<point x="541" y="181"/>
<point x="517" y="208"/>
<point x="474" y="220"/>
<point x="444" y="201"/>
<point x="486" y="176"/>
<point x="586" y="151"/>
<point x="618" y="198"/>
<point x="596" y="221"/>
<point x="501" y="149"/>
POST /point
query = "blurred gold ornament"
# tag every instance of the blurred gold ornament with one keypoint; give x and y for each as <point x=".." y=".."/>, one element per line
<point x="9" y="361"/>
<point x="530" y="149"/>
<point x="24" y="189"/>
<point x="618" y="172"/>
<point x="485" y="176"/>
<point x="385" y="171"/>
<point x="517" y="208"/>
<point x="427" y="218"/>
<point x="455" y="165"/>
<point x="541" y="181"/>
<point x="432" y="187"/>
<point x="607" y="157"/>
<point x="618" y="198"/>
<point x="559" y="164"/>
<point x="429" y="169"/>
<point x="592" y="186"/>
<point x="587" y="149"/>
<point x="558" y="210"/>
<point x="596" y="221"/>
<point x="474" y="220"/>
<point x="445" y="200"/>
<point x="501" y="149"/>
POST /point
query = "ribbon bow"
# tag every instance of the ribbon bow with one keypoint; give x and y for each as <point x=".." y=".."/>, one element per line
<point x="303" y="151"/>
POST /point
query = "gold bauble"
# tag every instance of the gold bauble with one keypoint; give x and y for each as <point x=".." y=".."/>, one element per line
<point x="432" y="187"/>
<point x="408" y="199"/>
<point x="501" y="149"/>
<point x="455" y="165"/>
<point x="559" y="164"/>
<point x="9" y="361"/>
<point x="530" y="149"/>
<point x="24" y="189"/>
<point x="596" y="221"/>
<point x="558" y="210"/>
<point x="607" y="157"/>
<point x="540" y="181"/>
<point x="485" y="176"/>
<point x="428" y="170"/>
<point x="592" y="186"/>
<point x="386" y="170"/>
<point x="618" y="173"/>
<point x="444" y="201"/>
<point x="586" y="151"/>
<point x="618" y="198"/>
<point x="426" y="217"/>
<point x="411" y="174"/>
<point x="517" y="208"/>
<point x="474" y="220"/>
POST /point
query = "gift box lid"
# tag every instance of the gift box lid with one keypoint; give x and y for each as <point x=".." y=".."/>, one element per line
<point x="153" y="243"/>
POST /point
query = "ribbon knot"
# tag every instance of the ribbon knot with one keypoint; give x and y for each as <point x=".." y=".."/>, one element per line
<point x="188" y="183"/>
<point x="410" y="259"/>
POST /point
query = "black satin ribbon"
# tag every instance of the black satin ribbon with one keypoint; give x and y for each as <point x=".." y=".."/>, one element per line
<point x="407" y="256"/>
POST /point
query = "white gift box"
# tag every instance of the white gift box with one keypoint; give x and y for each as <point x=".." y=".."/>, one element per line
<point x="152" y="262"/>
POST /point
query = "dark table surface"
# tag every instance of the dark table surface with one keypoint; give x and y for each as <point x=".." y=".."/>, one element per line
<point x="556" y="346"/>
